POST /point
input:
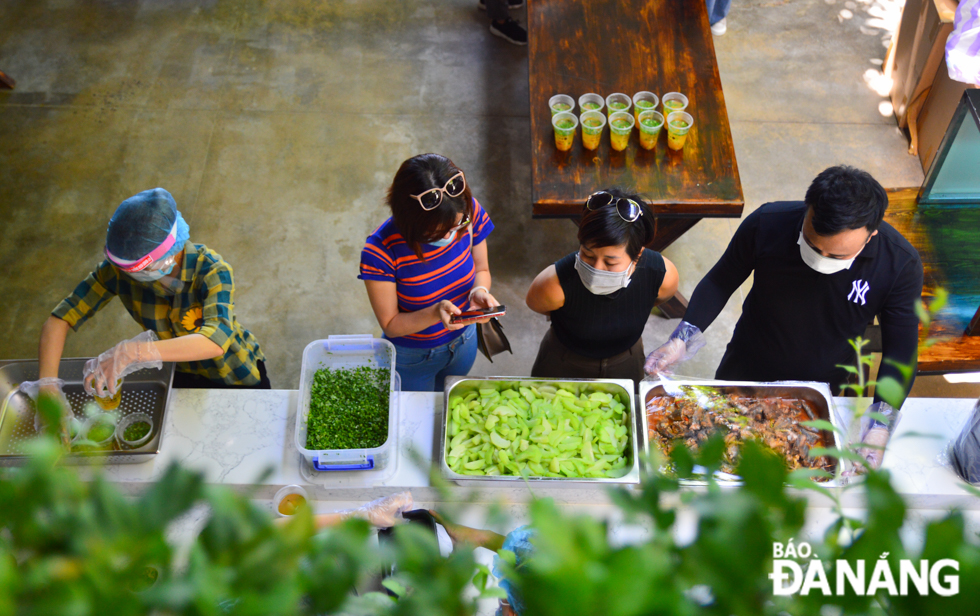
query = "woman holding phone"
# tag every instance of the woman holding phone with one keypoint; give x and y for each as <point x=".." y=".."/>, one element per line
<point x="425" y="264"/>
<point x="599" y="297"/>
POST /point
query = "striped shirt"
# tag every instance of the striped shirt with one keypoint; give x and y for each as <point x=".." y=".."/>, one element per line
<point x="201" y="303"/>
<point x="446" y="273"/>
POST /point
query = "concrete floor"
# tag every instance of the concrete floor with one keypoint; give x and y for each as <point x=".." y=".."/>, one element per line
<point x="278" y="125"/>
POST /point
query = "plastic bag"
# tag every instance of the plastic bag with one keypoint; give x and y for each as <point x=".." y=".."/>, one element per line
<point x="963" y="44"/>
<point x="964" y="455"/>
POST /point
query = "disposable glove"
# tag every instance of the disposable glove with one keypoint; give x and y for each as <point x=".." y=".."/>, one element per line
<point x="52" y="388"/>
<point x="383" y="512"/>
<point x="682" y="345"/>
<point x="102" y="374"/>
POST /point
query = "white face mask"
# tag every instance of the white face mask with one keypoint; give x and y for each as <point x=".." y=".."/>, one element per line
<point x="444" y="241"/>
<point x="820" y="263"/>
<point x="600" y="282"/>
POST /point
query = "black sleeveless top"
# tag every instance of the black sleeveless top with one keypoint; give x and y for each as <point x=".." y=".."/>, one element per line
<point x="601" y="326"/>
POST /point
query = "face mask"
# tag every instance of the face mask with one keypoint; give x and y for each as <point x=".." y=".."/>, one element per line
<point x="148" y="275"/>
<point x="820" y="263"/>
<point x="444" y="241"/>
<point x="599" y="282"/>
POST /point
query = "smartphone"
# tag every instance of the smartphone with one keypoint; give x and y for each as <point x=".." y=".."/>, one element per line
<point x="471" y="316"/>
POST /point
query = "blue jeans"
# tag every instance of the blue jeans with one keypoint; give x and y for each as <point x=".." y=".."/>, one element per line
<point x="427" y="369"/>
<point x="717" y="10"/>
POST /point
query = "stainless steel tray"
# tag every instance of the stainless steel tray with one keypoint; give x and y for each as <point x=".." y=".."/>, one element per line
<point x="146" y="391"/>
<point x="461" y="385"/>
<point x="817" y="394"/>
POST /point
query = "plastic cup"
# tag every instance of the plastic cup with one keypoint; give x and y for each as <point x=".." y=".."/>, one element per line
<point x="289" y="499"/>
<point x="561" y="102"/>
<point x="650" y="123"/>
<point x="644" y="101"/>
<point x="101" y="431"/>
<point x="674" y="101"/>
<point x="618" y="102"/>
<point x="136" y="442"/>
<point x="620" y="126"/>
<point x="111" y="402"/>
<point x="678" y="125"/>
<point x="564" y="124"/>
<point x="592" y="124"/>
<point x="591" y="102"/>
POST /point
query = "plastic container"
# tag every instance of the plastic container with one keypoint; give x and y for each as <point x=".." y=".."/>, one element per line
<point x="346" y="352"/>
<point x="289" y="491"/>
<point x="101" y="418"/>
<point x="125" y="423"/>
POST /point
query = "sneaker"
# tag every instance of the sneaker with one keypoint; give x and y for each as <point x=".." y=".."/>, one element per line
<point x="511" y="4"/>
<point x="509" y="30"/>
<point x="720" y="27"/>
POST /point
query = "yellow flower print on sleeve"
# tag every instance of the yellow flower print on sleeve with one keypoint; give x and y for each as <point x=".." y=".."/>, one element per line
<point x="193" y="319"/>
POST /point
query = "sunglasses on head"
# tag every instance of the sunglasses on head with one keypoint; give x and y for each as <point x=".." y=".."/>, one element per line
<point x="430" y="199"/>
<point x="627" y="209"/>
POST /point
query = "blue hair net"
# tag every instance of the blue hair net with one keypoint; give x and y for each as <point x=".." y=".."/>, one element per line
<point x="517" y="541"/>
<point x="142" y="222"/>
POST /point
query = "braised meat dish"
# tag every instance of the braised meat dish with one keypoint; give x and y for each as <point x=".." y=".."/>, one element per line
<point x="693" y="418"/>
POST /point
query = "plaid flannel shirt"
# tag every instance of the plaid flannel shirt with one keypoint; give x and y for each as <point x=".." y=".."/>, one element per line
<point x="203" y="303"/>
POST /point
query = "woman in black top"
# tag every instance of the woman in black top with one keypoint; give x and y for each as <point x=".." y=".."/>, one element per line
<point x="600" y="297"/>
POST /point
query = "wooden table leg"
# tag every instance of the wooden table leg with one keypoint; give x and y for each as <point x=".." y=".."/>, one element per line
<point x="668" y="230"/>
<point x="674" y="308"/>
<point x="6" y="81"/>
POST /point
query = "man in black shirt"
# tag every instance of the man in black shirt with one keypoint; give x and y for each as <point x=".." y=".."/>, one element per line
<point x="824" y="268"/>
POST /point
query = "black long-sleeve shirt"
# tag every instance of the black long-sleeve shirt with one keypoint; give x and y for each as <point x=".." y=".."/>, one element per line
<point x="796" y="322"/>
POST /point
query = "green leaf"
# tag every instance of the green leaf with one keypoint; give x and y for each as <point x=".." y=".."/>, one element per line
<point x="394" y="586"/>
<point x="922" y="313"/>
<point x="891" y="391"/>
<point x="683" y="460"/>
<point x="712" y="452"/>
<point x="822" y="424"/>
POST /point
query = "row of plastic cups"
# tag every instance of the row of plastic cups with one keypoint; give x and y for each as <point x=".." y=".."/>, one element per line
<point x="621" y="124"/>
<point x="641" y="101"/>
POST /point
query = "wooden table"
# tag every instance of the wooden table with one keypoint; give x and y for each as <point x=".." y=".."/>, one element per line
<point x="951" y="259"/>
<point x="606" y="46"/>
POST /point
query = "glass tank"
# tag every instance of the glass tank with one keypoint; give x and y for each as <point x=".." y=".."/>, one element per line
<point x="949" y="212"/>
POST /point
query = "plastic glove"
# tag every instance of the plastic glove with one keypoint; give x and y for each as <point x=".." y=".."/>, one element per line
<point x="102" y="375"/>
<point x="53" y="388"/>
<point x="682" y="345"/>
<point x="383" y="512"/>
<point x="876" y="433"/>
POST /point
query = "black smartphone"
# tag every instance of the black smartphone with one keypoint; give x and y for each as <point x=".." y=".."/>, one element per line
<point x="471" y="316"/>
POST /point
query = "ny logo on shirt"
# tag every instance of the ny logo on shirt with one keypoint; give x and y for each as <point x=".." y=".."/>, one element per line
<point x="859" y="288"/>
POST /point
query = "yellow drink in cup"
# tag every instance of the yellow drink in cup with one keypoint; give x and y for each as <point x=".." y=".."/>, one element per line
<point x="592" y="124"/>
<point x="564" y="124"/>
<point x="678" y="125"/>
<point x="591" y="102"/>
<point x="618" y="102"/>
<point x="674" y="101"/>
<point x="620" y="126"/>
<point x="650" y="123"/>
<point x="644" y="101"/>
<point x="111" y="402"/>
<point x="561" y="102"/>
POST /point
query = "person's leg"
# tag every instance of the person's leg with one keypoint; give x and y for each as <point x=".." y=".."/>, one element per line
<point x="628" y="367"/>
<point x="717" y="10"/>
<point x="496" y="9"/>
<point x="415" y="368"/>
<point x="555" y="361"/>
<point x="462" y="355"/>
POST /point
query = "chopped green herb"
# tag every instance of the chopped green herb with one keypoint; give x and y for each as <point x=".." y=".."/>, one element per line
<point x="101" y="431"/>
<point x="348" y="408"/>
<point x="136" y="431"/>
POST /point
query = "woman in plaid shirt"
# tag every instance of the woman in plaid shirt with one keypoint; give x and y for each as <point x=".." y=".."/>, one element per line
<point x="180" y="293"/>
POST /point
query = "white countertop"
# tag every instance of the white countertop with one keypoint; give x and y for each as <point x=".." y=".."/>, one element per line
<point x="234" y="437"/>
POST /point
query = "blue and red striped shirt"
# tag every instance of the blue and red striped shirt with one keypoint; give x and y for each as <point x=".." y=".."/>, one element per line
<point x="446" y="273"/>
